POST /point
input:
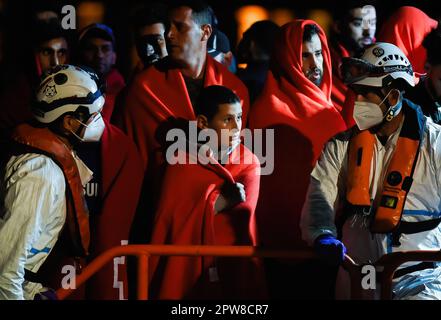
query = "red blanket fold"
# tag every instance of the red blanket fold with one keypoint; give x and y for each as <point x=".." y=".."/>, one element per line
<point x="114" y="84"/>
<point x="304" y="119"/>
<point x="407" y="28"/>
<point x="186" y="217"/>
<point x="339" y="89"/>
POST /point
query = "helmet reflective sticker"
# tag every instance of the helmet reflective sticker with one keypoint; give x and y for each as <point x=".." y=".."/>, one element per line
<point x="64" y="89"/>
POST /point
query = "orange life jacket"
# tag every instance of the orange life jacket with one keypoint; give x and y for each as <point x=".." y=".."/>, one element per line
<point x="388" y="207"/>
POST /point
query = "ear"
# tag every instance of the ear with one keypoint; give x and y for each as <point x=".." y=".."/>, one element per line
<point x="113" y="58"/>
<point x="228" y="58"/>
<point x="202" y="122"/>
<point x="70" y="123"/>
<point x="393" y="97"/>
<point x="206" y="32"/>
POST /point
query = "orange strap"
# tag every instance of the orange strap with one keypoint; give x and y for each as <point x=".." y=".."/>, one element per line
<point x="77" y="218"/>
<point x="361" y="150"/>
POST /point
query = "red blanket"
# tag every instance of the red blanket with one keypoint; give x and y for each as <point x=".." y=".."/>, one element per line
<point x="186" y="217"/>
<point x="407" y="28"/>
<point x="339" y="89"/>
<point x="121" y="184"/>
<point x="304" y="118"/>
<point x="156" y="95"/>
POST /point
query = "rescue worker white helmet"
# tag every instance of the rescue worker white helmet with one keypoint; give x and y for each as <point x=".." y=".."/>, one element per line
<point x="380" y="64"/>
<point x="65" y="88"/>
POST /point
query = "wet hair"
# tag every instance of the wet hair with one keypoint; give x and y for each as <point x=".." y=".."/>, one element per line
<point x="201" y="12"/>
<point x="432" y="43"/>
<point x="211" y="97"/>
<point x="309" y="31"/>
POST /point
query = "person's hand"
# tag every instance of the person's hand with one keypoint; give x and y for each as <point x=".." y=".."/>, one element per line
<point x="46" y="294"/>
<point x="234" y="193"/>
<point x="329" y="249"/>
<point x="230" y="196"/>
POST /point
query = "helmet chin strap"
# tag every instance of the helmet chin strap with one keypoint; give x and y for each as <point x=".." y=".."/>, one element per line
<point x="392" y="111"/>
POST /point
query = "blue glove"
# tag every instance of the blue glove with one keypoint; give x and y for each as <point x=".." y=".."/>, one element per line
<point x="329" y="249"/>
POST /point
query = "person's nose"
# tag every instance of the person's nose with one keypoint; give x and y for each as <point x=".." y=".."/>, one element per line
<point x="99" y="53"/>
<point x="171" y="33"/>
<point x="236" y="124"/>
<point x="54" y="59"/>
<point x="366" y="32"/>
<point x="314" y="62"/>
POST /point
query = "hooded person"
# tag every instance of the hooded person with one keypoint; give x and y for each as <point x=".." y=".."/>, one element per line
<point x="407" y="28"/>
<point x="296" y="104"/>
<point x="384" y="175"/>
<point x="215" y="206"/>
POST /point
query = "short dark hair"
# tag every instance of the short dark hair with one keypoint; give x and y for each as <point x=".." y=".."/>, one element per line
<point x="263" y="33"/>
<point x="45" y="31"/>
<point x="211" y="97"/>
<point x="201" y="12"/>
<point x="432" y="43"/>
<point x="309" y="31"/>
<point x="341" y="12"/>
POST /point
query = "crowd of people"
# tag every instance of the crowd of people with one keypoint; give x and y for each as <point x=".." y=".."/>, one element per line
<point x="91" y="160"/>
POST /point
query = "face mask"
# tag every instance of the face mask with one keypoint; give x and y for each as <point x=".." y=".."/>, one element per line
<point x="94" y="130"/>
<point x="369" y="114"/>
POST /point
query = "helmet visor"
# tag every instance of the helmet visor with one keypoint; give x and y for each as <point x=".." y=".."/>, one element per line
<point x="353" y="70"/>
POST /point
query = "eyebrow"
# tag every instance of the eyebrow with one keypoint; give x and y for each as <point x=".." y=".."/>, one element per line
<point x="51" y="49"/>
<point x="305" y="53"/>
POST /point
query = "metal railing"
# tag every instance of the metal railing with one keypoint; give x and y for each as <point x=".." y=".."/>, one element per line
<point x="143" y="253"/>
<point x="388" y="263"/>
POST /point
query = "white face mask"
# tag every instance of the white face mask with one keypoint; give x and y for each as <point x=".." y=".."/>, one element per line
<point x="368" y="114"/>
<point x="94" y="130"/>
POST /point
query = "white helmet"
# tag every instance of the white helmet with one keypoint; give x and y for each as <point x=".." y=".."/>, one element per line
<point x="380" y="64"/>
<point x="63" y="89"/>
